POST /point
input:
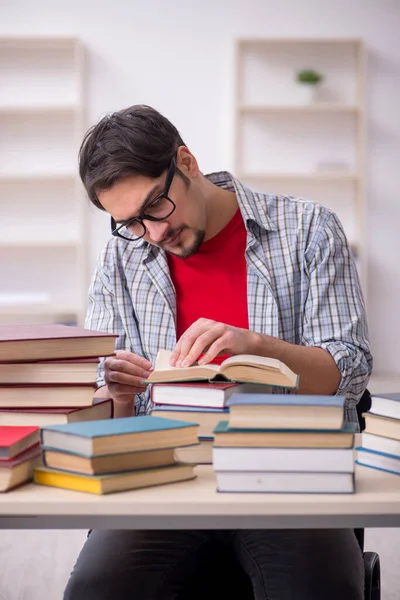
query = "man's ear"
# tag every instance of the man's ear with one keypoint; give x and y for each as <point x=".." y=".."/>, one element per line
<point x="186" y="162"/>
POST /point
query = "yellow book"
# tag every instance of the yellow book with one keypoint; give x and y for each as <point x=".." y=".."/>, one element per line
<point x="115" y="482"/>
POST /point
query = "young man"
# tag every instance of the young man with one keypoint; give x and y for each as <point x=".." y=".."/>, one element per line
<point x="205" y="267"/>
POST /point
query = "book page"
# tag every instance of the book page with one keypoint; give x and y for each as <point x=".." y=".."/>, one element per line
<point x="252" y="359"/>
<point x="162" y="363"/>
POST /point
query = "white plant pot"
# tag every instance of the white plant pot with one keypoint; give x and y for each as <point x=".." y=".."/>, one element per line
<point x="306" y="93"/>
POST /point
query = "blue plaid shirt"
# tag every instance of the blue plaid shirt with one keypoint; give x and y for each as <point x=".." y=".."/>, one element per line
<point x="302" y="287"/>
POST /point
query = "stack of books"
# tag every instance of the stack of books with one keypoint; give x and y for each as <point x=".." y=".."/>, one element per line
<point x="380" y="440"/>
<point x="19" y="454"/>
<point x="48" y="374"/>
<point x="201" y="393"/>
<point x="113" y="455"/>
<point x="284" y="443"/>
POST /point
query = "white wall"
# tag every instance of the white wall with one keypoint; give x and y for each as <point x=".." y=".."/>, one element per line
<point x="177" y="55"/>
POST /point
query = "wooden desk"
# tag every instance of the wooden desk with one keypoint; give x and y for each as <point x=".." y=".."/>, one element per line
<point x="196" y="504"/>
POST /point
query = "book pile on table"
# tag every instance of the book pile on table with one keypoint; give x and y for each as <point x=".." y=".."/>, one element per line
<point x="113" y="455"/>
<point x="48" y="374"/>
<point x="201" y="393"/>
<point x="19" y="454"/>
<point x="380" y="440"/>
<point x="284" y="443"/>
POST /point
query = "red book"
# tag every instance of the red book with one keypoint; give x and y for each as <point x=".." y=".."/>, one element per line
<point x="32" y="452"/>
<point x="25" y="343"/>
<point x="47" y="395"/>
<point x="101" y="409"/>
<point x="14" y="440"/>
<point x="73" y="370"/>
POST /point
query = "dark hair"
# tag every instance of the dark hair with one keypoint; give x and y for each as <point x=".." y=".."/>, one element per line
<point x="133" y="141"/>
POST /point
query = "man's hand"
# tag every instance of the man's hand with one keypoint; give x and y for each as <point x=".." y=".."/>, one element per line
<point x="211" y="338"/>
<point x="124" y="373"/>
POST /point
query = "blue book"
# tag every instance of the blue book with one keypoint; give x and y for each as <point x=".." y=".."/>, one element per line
<point x="285" y="411"/>
<point x="378" y="460"/>
<point x="114" y="436"/>
<point x="286" y="399"/>
<point x="187" y="409"/>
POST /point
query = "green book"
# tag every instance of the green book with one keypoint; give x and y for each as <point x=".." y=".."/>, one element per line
<point x="284" y="438"/>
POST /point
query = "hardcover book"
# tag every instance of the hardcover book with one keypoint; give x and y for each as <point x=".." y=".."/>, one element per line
<point x="242" y="368"/>
<point x="24" y="343"/>
<point x="114" y="436"/>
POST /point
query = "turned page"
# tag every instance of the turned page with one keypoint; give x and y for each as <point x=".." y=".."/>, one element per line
<point x="162" y="363"/>
<point x="253" y="360"/>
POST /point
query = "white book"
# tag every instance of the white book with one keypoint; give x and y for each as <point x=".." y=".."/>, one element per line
<point x="386" y="405"/>
<point x="377" y="443"/>
<point x="284" y="459"/>
<point x="295" y="483"/>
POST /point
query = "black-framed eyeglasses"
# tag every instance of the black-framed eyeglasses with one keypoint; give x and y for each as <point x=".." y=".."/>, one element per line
<point x="157" y="209"/>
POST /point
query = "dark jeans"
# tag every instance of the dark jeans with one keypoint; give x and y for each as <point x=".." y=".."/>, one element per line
<point x="184" y="565"/>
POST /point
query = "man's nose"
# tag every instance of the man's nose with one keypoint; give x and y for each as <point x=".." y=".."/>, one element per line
<point x="156" y="229"/>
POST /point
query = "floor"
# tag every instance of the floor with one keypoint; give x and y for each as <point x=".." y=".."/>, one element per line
<point x="35" y="565"/>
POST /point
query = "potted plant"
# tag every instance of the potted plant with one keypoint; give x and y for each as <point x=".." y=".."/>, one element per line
<point x="308" y="80"/>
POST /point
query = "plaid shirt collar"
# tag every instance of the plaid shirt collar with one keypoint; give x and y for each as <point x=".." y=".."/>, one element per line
<point x="253" y="211"/>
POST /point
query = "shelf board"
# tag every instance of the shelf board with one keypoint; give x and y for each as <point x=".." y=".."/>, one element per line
<point x="298" y="108"/>
<point x="44" y="243"/>
<point x="38" y="309"/>
<point x="37" y="177"/>
<point x="38" y="109"/>
<point x="311" y="40"/>
<point x="33" y="43"/>
<point x="322" y="176"/>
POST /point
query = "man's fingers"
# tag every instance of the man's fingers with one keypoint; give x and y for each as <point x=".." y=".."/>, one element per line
<point x="124" y="366"/>
<point x="134" y="359"/>
<point x="124" y="378"/>
<point x="193" y="347"/>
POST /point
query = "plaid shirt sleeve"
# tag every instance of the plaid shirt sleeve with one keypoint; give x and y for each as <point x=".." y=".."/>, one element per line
<point x="103" y="315"/>
<point x="334" y="312"/>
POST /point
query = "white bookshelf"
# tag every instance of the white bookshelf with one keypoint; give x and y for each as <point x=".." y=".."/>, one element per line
<point x="311" y="150"/>
<point x="43" y="246"/>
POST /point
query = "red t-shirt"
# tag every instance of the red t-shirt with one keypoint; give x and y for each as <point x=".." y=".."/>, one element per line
<point x="212" y="284"/>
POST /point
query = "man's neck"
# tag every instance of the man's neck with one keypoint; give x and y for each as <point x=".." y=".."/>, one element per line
<point x="221" y="206"/>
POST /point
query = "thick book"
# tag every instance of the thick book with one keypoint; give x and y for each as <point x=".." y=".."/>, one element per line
<point x="49" y="371"/>
<point x="285" y="411"/>
<point x="18" y="470"/>
<point x="285" y="483"/>
<point x="46" y="396"/>
<point x="199" y="454"/>
<point x="340" y="460"/>
<point x="386" y="405"/>
<point x="25" y="343"/>
<point x="378" y="443"/>
<point x="383" y="426"/>
<point x="224" y="436"/>
<point x="113" y="463"/>
<point x="102" y="409"/>
<point x="14" y="440"/>
<point x="200" y="393"/>
<point x="242" y="368"/>
<point x="114" y="436"/>
<point x="116" y="482"/>
<point x="206" y="418"/>
<point x="378" y="460"/>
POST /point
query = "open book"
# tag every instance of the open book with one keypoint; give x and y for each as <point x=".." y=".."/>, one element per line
<point x="242" y="368"/>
